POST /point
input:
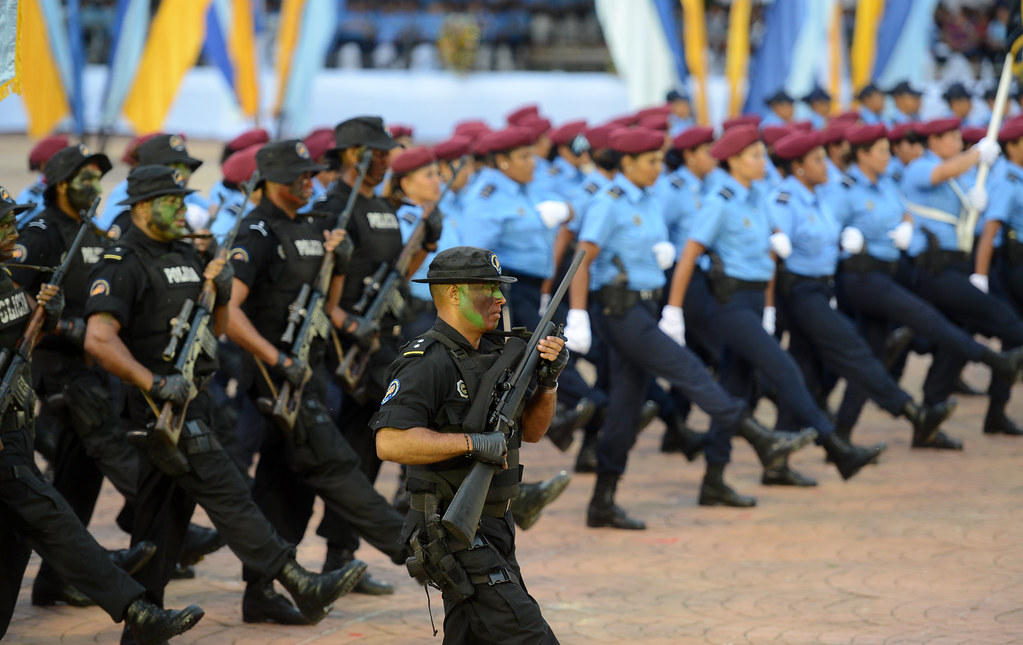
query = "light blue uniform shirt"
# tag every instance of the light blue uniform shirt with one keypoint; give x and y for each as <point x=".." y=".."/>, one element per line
<point x="506" y="222"/>
<point x="896" y="169"/>
<point x="917" y="188"/>
<point x="900" y="117"/>
<point x="564" y="177"/>
<point x="677" y="126"/>
<point x="229" y="207"/>
<point x="32" y="194"/>
<point x="625" y="221"/>
<point x="453" y="207"/>
<point x="734" y="225"/>
<point x="581" y="199"/>
<point x="680" y="193"/>
<point x="873" y="208"/>
<point x="807" y="220"/>
<point x="870" y="118"/>
<point x="1005" y="200"/>
<point x="408" y="216"/>
<point x="772" y="119"/>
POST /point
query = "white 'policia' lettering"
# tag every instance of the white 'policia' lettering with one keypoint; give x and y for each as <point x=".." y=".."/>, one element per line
<point x="180" y="275"/>
<point x="13" y="307"/>
<point x="309" y="248"/>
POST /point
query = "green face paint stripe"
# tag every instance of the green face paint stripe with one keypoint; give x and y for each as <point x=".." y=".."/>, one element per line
<point x="466" y="307"/>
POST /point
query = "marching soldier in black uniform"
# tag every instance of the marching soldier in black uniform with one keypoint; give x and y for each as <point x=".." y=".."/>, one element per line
<point x="90" y="444"/>
<point x="138" y="287"/>
<point x="420" y="424"/>
<point x="33" y="516"/>
<point x="278" y="251"/>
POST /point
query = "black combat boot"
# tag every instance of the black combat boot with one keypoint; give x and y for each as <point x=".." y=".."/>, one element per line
<point x="338" y="558"/>
<point x="896" y="343"/>
<point x="604" y="512"/>
<point x="132" y="559"/>
<point x="50" y="590"/>
<point x="261" y="604"/>
<point x="678" y="437"/>
<point x="784" y="475"/>
<point x="715" y="492"/>
<point x="151" y="625"/>
<point x="314" y="594"/>
<point x="586" y="460"/>
<point x="996" y="422"/>
<point x="199" y="541"/>
<point x="648" y="413"/>
<point x="532" y="498"/>
<point x="773" y="447"/>
<point x="927" y="419"/>
<point x="849" y="459"/>
<point x="1005" y="365"/>
<point x="567" y="420"/>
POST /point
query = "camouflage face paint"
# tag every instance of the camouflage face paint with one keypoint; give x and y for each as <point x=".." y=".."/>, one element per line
<point x="166" y="216"/>
<point x="480" y="304"/>
<point x="84" y="188"/>
<point x="8" y="236"/>
<point x="184" y="169"/>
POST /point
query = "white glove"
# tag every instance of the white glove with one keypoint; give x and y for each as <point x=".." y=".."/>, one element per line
<point x="833" y="303"/>
<point x="577" y="331"/>
<point x="851" y="239"/>
<point x="989" y="150"/>
<point x="673" y="324"/>
<point x="665" y="253"/>
<point x="770" y="320"/>
<point x="977" y="197"/>
<point x="781" y="245"/>
<point x="980" y="281"/>
<point x="545" y="299"/>
<point x="902" y="235"/>
<point x="553" y="213"/>
<point x="198" y="218"/>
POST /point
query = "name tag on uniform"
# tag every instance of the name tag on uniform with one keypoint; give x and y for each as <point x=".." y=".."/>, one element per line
<point x="91" y="254"/>
<point x="385" y="221"/>
<point x="181" y="275"/>
<point x="309" y="248"/>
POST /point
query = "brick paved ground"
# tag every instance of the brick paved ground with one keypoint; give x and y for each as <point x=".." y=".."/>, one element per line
<point x="923" y="548"/>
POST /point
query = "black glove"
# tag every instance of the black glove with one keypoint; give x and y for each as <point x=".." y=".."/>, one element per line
<point x="294" y="373"/>
<point x="173" y="388"/>
<point x="72" y="330"/>
<point x="53" y="307"/>
<point x="343" y="254"/>
<point x="363" y="332"/>
<point x="488" y="447"/>
<point x="434" y="224"/>
<point x="223" y="282"/>
<point x="547" y="372"/>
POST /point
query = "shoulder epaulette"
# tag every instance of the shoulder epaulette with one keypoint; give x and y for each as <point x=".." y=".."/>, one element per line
<point x="410" y="217"/>
<point x="37" y="189"/>
<point x="615" y="192"/>
<point x="1013" y="177"/>
<point x="848" y="181"/>
<point x="487" y="190"/>
<point x="117" y="253"/>
<point x="37" y="223"/>
<point x="897" y="176"/>
<point x="260" y="227"/>
<point x="416" y="346"/>
<point x="553" y="170"/>
<point x="783" y="197"/>
<point x="677" y="182"/>
<point x="727" y="193"/>
<point x="591" y="188"/>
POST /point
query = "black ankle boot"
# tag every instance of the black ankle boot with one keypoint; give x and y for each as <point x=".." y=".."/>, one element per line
<point x="773" y="447"/>
<point x="678" y="437"/>
<point x="533" y="497"/>
<point x="152" y="625"/>
<point x="132" y="559"/>
<point x="567" y="420"/>
<point x="1006" y="365"/>
<point x="784" y="475"/>
<point x="715" y="492"/>
<point x="314" y="594"/>
<point x="338" y="558"/>
<point x="996" y="422"/>
<point x="261" y="604"/>
<point x="586" y="461"/>
<point x="927" y="419"/>
<point x="849" y="459"/>
<point x="50" y="591"/>
<point x="199" y="541"/>
<point x="604" y="512"/>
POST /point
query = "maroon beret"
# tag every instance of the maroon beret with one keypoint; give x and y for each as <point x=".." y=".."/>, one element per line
<point x="654" y="122"/>
<point x="859" y="135"/>
<point x="693" y="137"/>
<point x="471" y="128"/>
<point x="801" y="126"/>
<point x="937" y="126"/>
<point x="745" y="119"/>
<point x="46" y="148"/>
<point x="797" y="144"/>
<point x="564" y="135"/>
<point x="412" y="159"/>
<point x="834" y="132"/>
<point x="733" y="141"/>
<point x="507" y="139"/>
<point x="239" y="166"/>
<point x="850" y="117"/>
<point x="660" y="110"/>
<point x="599" y="136"/>
<point x="973" y="135"/>
<point x="248" y="138"/>
<point x="538" y="127"/>
<point x="899" y="132"/>
<point x="772" y="134"/>
<point x="623" y="121"/>
<point x="453" y="148"/>
<point x="524" y="113"/>
<point x="399" y="130"/>
<point x="634" y="141"/>
<point x="319" y="142"/>
<point x="131" y="153"/>
<point x="1011" y="130"/>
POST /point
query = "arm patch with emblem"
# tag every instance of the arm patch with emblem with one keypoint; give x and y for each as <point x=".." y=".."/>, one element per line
<point x="615" y="192"/>
<point x="727" y="193"/>
<point x="487" y="191"/>
<point x="783" y="198"/>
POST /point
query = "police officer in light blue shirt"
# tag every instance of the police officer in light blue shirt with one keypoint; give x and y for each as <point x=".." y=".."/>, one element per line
<point x="572" y="153"/>
<point x="907" y="103"/>
<point x="782" y="109"/>
<point x="227" y="196"/>
<point x="605" y="163"/>
<point x="681" y="116"/>
<point x="456" y="169"/>
<point x="318" y="143"/>
<point x="735" y="228"/>
<point x="942" y="257"/>
<point x="618" y="288"/>
<point x="819" y="103"/>
<point x="33" y="193"/>
<point x="872" y="100"/>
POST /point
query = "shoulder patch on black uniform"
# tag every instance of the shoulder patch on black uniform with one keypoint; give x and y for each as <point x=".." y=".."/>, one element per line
<point x="615" y="192"/>
<point x="260" y="227"/>
<point x="116" y="254"/>
<point x="487" y="191"/>
<point x="416" y="346"/>
<point x="678" y="183"/>
<point x="38" y="223"/>
<point x="727" y="193"/>
<point x="591" y="188"/>
<point x="783" y="197"/>
<point x="848" y="181"/>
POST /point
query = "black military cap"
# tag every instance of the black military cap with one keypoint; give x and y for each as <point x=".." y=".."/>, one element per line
<point x="465" y="264"/>
<point x="284" y="161"/>
<point x="8" y="206"/>
<point x="166" y="149"/>
<point x="868" y="90"/>
<point x="366" y="131"/>
<point x="905" y="88"/>
<point x="675" y="95"/>
<point x="781" y="96"/>
<point x="817" y="94"/>
<point x="149" y="182"/>
<point x="956" y="91"/>
<point x="63" y="165"/>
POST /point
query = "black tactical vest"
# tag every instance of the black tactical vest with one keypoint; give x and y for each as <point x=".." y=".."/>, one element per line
<point x="173" y="276"/>
<point x="14" y="310"/>
<point x="76" y="280"/>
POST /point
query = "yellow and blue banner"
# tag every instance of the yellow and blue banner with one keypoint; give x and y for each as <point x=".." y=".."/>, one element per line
<point x="304" y="36"/>
<point x="231" y="47"/>
<point x="51" y="56"/>
<point x="737" y="53"/>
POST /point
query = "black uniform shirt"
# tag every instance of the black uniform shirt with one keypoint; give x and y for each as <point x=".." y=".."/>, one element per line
<point x="14" y="310"/>
<point x="425" y="388"/>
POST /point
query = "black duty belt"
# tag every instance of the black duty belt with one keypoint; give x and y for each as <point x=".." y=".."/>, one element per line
<point x="937" y="259"/>
<point x="863" y="263"/>
<point x="417" y="502"/>
<point x="1012" y="249"/>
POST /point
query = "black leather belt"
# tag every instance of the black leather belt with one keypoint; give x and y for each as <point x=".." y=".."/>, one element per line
<point x="863" y="263"/>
